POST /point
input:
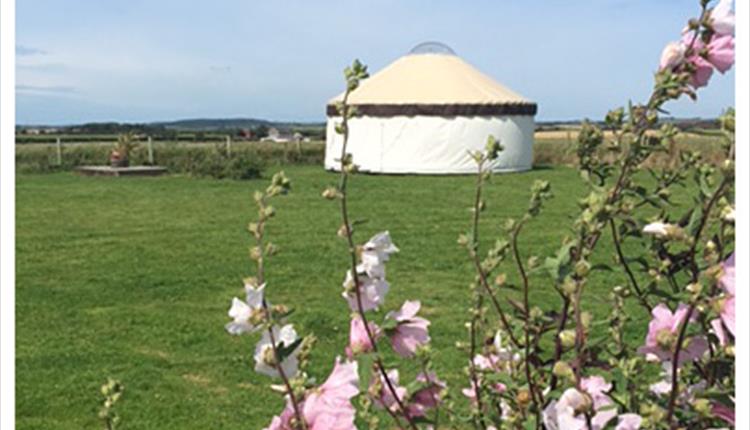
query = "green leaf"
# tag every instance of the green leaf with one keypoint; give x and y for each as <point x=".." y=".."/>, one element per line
<point x="695" y="217"/>
<point x="286" y="351"/>
<point x="364" y="369"/>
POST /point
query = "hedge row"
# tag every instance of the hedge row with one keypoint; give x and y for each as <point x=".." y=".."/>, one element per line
<point x="244" y="161"/>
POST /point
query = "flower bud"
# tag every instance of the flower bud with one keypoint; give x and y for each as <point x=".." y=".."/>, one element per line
<point x="586" y="319"/>
<point x="342" y="231"/>
<point x="523" y="397"/>
<point x="562" y="370"/>
<point x="694" y="288"/>
<point x="569" y="286"/>
<point x="500" y="279"/>
<point x="702" y="406"/>
<point x="582" y="268"/>
<point x="567" y="338"/>
<point x="330" y="193"/>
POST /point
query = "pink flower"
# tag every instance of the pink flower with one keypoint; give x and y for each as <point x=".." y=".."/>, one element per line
<point x="727" y="277"/>
<point x="721" y="52"/>
<point x="359" y="342"/>
<point x="372" y="292"/>
<point x="722" y="18"/>
<point x="672" y="55"/>
<point x="283" y="421"/>
<point x="727" y="308"/>
<point x="727" y="314"/>
<point x="702" y="71"/>
<point x="329" y="406"/>
<point x="385" y="397"/>
<point x="470" y="393"/>
<point x="719" y="331"/>
<point x="629" y="422"/>
<point x="724" y="412"/>
<point x="565" y="414"/>
<point x="663" y="332"/>
<point x="427" y="397"/>
<point x="499" y="359"/>
<point x="411" y="330"/>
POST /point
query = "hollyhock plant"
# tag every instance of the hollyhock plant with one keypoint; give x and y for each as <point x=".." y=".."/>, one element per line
<point x="359" y="342"/>
<point x="727" y="276"/>
<point x="372" y="292"/>
<point x="265" y="354"/>
<point x="567" y="413"/>
<point x="536" y="378"/>
<point x="720" y="52"/>
<point x="721" y="18"/>
<point x="702" y="71"/>
<point x="384" y="397"/>
<point x="410" y="331"/>
<point x="329" y="406"/>
<point x="724" y="412"/>
<point x="672" y="55"/>
<point x="375" y="252"/>
<point x="629" y="422"/>
<point x="662" y="336"/>
<point x="499" y="359"/>
<point x="243" y="312"/>
<point x="726" y="321"/>
<point x="428" y="397"/>
<point x="658" y="229"/>
<point x="471" y="393"/>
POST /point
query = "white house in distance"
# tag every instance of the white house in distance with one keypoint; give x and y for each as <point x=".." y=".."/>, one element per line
<point x="425" y="111"/>
<point x="274" y="135"/>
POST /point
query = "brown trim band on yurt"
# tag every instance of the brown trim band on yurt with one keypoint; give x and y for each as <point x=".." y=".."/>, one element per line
<point x="386" y="110"/>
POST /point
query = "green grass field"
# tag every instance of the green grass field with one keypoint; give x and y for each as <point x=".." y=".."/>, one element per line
<point x="131" y="278"/>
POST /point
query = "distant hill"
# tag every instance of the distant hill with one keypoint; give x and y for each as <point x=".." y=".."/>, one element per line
<point x="212" y="124"/>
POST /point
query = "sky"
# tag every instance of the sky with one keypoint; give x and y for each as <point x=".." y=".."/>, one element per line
<point x="144" y="60"/>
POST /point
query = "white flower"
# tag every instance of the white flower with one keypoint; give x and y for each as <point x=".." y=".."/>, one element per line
<point x="375" y="252"/>
<point x="372" y="292"/>
<point x="672" y="55"/>
<point x="265" y="358"/>
<point x="629" y="422"/>
<point x="241" y="312"/>
<point x="728" y="214"/>
<point x="254" y="296"/>
<point x="663" y="230"/>
<point x="566" y="413"/>
<point x="722" y="18"/>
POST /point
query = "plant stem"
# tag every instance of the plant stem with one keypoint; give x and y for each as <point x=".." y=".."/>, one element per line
<point x="621" y="257"/>
<point x="479" y="419"/>
<point x="474" y="254"/>
<point x="353" y="255"/>
<point x="527" y="323"/>
<point x="260" y="274"/>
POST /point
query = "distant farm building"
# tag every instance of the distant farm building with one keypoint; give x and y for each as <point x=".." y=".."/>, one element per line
<point x="275" y="135"/>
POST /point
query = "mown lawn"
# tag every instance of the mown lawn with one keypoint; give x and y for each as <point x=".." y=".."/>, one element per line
<point x="131" y="278"/>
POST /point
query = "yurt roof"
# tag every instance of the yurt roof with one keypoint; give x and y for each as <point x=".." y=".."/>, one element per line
<point x="433" y="82"/>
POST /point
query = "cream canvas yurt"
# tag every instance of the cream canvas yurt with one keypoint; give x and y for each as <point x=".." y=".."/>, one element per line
<point x="424" y="111"/>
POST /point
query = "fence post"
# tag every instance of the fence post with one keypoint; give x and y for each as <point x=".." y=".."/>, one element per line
<point x="150" y="152"/>
<point x="229" y="146"/>
<point x="59" y="152"/>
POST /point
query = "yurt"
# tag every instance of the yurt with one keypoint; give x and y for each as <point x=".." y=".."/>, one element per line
<point x="425" y="111"/>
